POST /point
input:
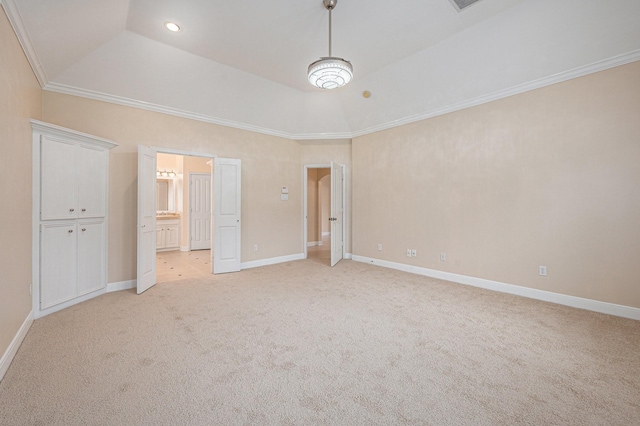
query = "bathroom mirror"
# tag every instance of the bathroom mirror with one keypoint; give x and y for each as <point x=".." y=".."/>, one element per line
<point x="165" y="195"/>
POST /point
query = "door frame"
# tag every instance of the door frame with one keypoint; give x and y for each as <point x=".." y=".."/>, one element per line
<point x="305" y="225"/>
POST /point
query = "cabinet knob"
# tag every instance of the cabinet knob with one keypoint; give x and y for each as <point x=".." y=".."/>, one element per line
<point x="84" y="229"/>
<point x="70" y="231"/>
<point x="72" y="210"/>
<point x="84" y="210"/>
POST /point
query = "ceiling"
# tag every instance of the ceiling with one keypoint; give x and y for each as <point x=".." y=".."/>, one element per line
<point x="243" y="63"/>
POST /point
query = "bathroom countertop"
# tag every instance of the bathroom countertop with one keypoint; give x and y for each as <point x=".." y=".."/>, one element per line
<point x="167" y="216"/>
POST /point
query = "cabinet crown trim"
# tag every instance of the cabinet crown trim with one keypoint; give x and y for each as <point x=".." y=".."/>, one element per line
<point x="52" y="129"/>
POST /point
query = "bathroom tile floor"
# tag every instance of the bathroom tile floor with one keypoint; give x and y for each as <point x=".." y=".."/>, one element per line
<point x="179" y="265"/>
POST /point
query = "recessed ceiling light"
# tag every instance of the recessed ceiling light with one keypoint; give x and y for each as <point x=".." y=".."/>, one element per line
<point x="172" y="26"/>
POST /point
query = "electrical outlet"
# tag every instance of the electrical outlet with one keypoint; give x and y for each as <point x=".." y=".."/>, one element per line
<point x="255" y="247"/>
<point x="408" y="252"/>
<point x="443" y="257"/>
<point x="379" y="247"/>
<point x="542" y="270"/>
<point x="414" y="253"/>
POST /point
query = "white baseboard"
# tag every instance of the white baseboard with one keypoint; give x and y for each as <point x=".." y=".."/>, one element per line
<point x="184" y="248"/>
<point x="348" y="256"/>
<point x="11" y="351"/>
<point x="122" y="285"/>
<point x="547" y="296"/>
<point x="324" y="234"/>
<point x="60" y="306"/>
<point x="314" y="243"/>
<point x="271" y="261"/>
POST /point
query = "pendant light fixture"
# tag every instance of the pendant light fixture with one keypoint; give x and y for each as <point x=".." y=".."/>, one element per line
<point x="330" y="72"/>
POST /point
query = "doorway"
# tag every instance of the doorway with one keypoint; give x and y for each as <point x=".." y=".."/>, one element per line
<point x="184" y="216"/>
<point x="225" y="216"/>
<point x="324" y="213"/>
<point x="318" y="241"/>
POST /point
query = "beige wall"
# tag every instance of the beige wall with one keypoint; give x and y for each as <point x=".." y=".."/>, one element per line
<point x="268" y="163"/>
<point x="20" y="100"/>
<point x="550" y="177"/>
<point x="338" y="151"/>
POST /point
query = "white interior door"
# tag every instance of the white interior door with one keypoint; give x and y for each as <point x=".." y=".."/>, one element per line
<point x="226" y="215"/>
<point x="337" y="209"/>
<point x="200" y="211"/>
<point x="146" y="218"/>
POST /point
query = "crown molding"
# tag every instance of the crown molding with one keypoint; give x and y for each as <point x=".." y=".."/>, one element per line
<point x="515" y="90"/>
<point x="119" y="100"/>
<point x="17" y="23"/>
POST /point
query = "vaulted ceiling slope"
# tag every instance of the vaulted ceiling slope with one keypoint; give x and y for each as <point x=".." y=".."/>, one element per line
<point x="243" y="63"/>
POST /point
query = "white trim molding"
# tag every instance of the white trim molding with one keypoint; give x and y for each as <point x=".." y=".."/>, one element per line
<point x="546" y="296"/>
<point x="15" y="18"/>
<point x="314" y="243"/>
<point x="500" y="94"/>
<point x="119" y="100"/>
<point x="11" y="351"/>
<point x="17" y="23"/>
<point x="121" y="285"/>
<point x="271" y="261"/>
<point x="598" y="66"/>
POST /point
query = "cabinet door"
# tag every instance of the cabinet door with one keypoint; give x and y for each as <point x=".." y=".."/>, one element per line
<point x="92" y="181"/>
<point x="160" y="236"/>
<point x="91" y="256"/>
<point x="58" y="246"/>
<point x="171" y="236"/>
<point x="58" y="189"/>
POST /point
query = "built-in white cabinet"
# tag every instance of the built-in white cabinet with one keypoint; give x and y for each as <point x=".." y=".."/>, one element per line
<point x="167" y="234"/>
<point x="72" y="260"/>
<point x="73" y="179"/>
<point x="70" y="209"/>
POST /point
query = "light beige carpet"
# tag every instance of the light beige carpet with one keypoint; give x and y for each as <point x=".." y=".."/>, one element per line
<point x="300" y="343"/>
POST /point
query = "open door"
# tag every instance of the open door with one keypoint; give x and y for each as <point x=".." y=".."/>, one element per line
<point x="146" y="218"/>
<point x="226" y="215"/>
<point x="337" y="208"/>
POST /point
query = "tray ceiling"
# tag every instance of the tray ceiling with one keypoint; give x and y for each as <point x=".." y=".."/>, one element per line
<point x="243" y="63"/>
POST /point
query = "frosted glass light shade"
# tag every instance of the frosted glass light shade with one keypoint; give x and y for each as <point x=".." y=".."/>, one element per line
<point x="329" y="73"/>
